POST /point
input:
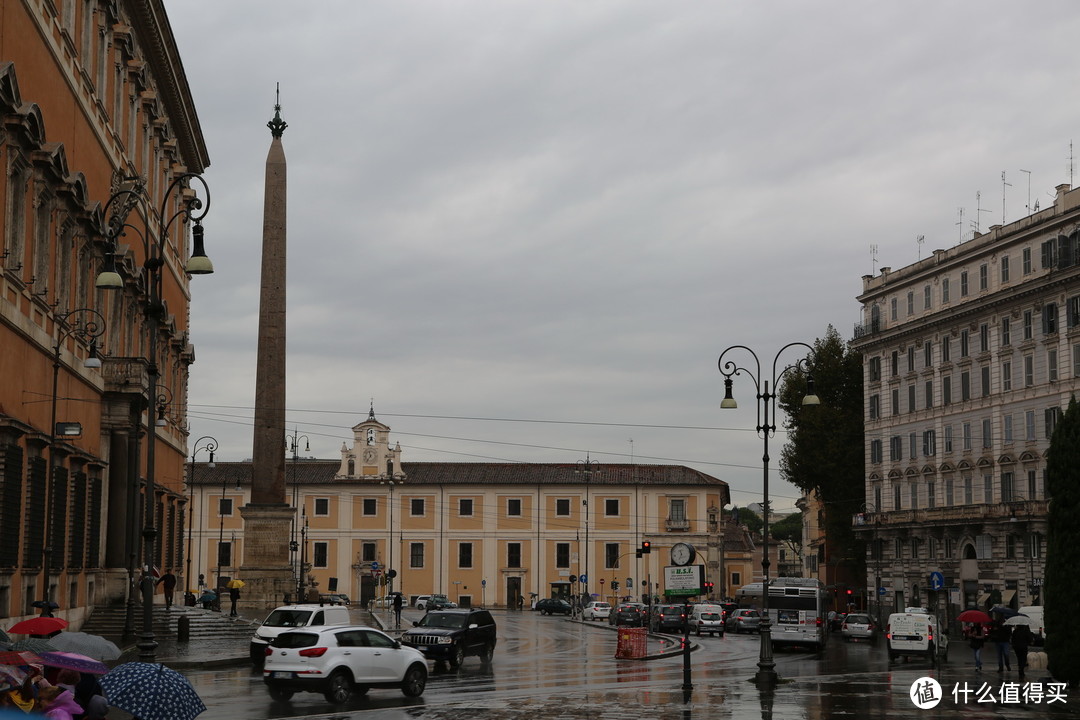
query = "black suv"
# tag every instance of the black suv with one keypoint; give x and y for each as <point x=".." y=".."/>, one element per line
<point x="453" y="634"/>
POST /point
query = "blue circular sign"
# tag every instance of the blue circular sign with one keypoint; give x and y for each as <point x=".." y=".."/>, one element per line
<point x="374" y="566"/>
<point x="583" y="578"/>
<point x="937" y="581"/>
<point x="881" y="591"/>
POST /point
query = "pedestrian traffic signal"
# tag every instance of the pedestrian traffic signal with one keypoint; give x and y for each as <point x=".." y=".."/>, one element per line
<point x="646" y="547"/>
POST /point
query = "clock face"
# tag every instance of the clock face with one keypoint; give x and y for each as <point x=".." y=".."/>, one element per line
<point x="682" y="554"/>
<point x="369" y="455"/>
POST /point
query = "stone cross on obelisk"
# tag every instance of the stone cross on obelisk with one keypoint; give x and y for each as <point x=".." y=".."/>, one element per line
<point x="266" y="570"/>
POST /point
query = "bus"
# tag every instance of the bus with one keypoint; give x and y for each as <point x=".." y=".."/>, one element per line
<point x="797" y="610"/>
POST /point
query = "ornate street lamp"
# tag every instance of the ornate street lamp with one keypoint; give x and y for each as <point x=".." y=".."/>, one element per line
<point x="184" y="205"/>
<point x="766" y="403"/>
<point x="210" y="445"/>
<point x="292" y="443"/>
<point x="586" y="468"/>
<point x="86" y="326"/>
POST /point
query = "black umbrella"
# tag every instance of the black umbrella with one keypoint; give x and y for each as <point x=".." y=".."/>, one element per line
<point x="1003" y="611"/>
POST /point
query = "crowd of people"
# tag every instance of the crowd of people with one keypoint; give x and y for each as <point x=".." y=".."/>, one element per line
<point x="1004" y="637"/>
<point x="58" y="694"/>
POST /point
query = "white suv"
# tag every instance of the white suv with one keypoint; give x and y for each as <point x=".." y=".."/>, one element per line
<point x="341" y="661"/>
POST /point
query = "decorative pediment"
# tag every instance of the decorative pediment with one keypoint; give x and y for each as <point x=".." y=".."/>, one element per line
<point x="929" y="470"/>
<point x="985" y="462"/>
<point x="10" y="100"/>
<point x="1006" y="460"/>
<point x="1029" y="457"/>
<point x="947" y="467"/>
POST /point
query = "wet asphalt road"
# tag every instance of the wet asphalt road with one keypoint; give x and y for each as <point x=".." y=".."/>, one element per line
<point x="546" y="667"/>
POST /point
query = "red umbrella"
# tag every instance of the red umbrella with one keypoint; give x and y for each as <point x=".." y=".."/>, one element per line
<point x="10" y="657"/>
<point x="974" y="616"/>
<point x="39" y="626"/>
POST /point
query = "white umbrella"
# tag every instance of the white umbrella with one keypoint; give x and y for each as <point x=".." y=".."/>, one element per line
<point x="1020" y="620"/>
<point x="93" y="646"/>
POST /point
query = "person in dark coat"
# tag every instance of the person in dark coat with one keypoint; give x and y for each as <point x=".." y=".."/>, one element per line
<point x="168" y="581"/>
<point x="398" y="603"/>
<point x="234" y="597"/>
<point x="1000" y="635"/>
<point x="1021" y="640"/>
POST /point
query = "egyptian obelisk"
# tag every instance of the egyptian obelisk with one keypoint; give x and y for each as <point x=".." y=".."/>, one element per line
<point x="266" y="570"/>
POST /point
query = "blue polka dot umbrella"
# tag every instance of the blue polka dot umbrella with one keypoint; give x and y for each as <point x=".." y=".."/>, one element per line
<point x="151" y="691"/>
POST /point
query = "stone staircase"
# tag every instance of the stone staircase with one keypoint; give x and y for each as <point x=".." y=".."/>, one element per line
<point x="206" y="625"/>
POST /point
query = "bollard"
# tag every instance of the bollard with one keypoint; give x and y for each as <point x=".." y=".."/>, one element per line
<point x="183" y="628"/>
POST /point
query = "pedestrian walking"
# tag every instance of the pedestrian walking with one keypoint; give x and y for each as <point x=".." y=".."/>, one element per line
<point x="168" y="582"/>
<point x="234" y="597"/>
<point x="398" y="602"/>
<point x="1021" y="640"/>
<point x="1000" y="634"/>
<point x="976" y="639"/>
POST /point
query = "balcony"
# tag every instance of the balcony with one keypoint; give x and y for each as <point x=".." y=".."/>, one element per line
<point x="1014" y="511"/>
<point x="676" y="524"/>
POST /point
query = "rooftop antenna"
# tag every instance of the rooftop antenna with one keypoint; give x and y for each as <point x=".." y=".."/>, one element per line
<point x="919" y="241"/>
<point x="1028" y="206"/>
<point x="978" y="209"/>
<point x="873" y="260"/>
<point x="960" y="222"/>
<point x="1003" y="186"/>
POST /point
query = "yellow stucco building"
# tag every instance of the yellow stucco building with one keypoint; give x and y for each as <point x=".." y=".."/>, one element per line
<point x="481" y="533"/>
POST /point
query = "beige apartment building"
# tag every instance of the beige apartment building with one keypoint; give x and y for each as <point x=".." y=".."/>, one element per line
<point x="481" y="533"/>
<point x="970" y="357"/>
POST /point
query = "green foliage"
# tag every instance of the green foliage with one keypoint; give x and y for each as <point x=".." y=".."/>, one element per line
<point x="1062" y="587"/>
<point x="749" y="518"/>
<point x="825" y="451"/>
<point x="789" y="531"/>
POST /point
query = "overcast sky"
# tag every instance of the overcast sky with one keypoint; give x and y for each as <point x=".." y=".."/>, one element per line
<point x="529" y="229"/>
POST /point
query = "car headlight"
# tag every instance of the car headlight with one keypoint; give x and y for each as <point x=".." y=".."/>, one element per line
<point x="446" y="640"/>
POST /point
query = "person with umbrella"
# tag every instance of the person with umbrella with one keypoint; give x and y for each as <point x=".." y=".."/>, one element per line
<point x="207" y="599"/>
<point x="234" y="586"/>
<point x="1000" y="634"/>
<point x="1021" y="640"/>
<point x="59" y="703"/>
<point x="151" y="691"/>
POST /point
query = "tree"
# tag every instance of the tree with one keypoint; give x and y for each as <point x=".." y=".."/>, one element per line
<point x="789" y="531"/>
<point x="749" y="518"/>
<point x="824" y="451"/>
<point x="1062" y="585"/>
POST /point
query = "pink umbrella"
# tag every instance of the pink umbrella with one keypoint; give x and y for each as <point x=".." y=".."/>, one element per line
<point x="74" y="661"/>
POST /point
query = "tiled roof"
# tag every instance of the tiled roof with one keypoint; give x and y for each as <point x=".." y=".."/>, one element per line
<point x="322" y="472"/>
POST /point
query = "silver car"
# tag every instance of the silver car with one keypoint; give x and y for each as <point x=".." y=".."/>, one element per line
<point x="858" y="626"/>
<point x="743" y="620"/>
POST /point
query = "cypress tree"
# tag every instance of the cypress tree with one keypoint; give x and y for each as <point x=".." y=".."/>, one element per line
<point x="1062" y="584"/>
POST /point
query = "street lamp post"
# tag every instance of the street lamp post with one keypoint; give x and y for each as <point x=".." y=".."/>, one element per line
<point x="157" y="222"/>
<point x="208" y="444"/>
<point x="292" y="442"/>
<point x="766" y="403"/>
<point x="586" y="468"/>
<point x="87" y="326"/>
<point x="875" y="552"/>
<point x="221" y="535"/>
<point x="390" y="482"/>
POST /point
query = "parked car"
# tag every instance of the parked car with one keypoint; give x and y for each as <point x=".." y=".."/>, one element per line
<point x="292" y="617"/>
<point x="334" y="599"/>
<point x="629" y="614"/>
<point x="596" y="611"/>
<point x="729" y="607"/>
<point x="706" y="618"/>
<point x="743" y="620"/>
<point x="553" y="606"/>
<point x="858" y="626"/>
<point x="434" y="602"/>
<point x="341" y="661"/>
<point x="453" y="635"/>
<point x="668" y="618"/>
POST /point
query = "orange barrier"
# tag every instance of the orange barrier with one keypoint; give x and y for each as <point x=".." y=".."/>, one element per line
<point x="633" y="643"/>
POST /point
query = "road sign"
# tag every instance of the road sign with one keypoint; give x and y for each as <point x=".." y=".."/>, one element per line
<point x="374" y="566"/>
<point x="937" y="581"/>
<point x="629" y="582"/>
<point x="881" y="591"/>
<point x="376" y="572"/>
<point x="483" y="583"/>
<point x="583" y="578"/>
<point x="601" y="582"/>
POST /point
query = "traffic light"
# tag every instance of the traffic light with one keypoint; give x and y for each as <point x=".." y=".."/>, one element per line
<point x="708" y="587"/>
<point x="573" y="578"/>
<point x="646" y="547"/>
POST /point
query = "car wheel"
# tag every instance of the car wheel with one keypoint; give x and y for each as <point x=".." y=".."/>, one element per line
<point x="458" y="657"/>
<point x="486" y="654"/>
<point x="415" y="681"/>
<point x="338" y="688"/>
<point x="281" y="694"/>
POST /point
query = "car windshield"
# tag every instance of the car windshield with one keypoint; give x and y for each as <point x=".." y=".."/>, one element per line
<point x="710" y="616"/>
<point x="434" y="620"/>
<point x="295" y="640"/>
<point x="287" y="618"/>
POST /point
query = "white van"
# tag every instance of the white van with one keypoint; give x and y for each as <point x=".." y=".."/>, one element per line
<point x="915" y="633"/>
<point x="707" y="618"/>
<point x="290" y="617"/>
<point x="1037" y="624"/>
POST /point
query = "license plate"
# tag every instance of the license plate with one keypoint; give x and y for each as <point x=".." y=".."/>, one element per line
<point x="281" y="675"/>
<point x="914" y="638"/>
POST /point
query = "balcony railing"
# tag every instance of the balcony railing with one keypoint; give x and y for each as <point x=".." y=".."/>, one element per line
<point x="1016" y="509"/>
<point x="673" y="524"/>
